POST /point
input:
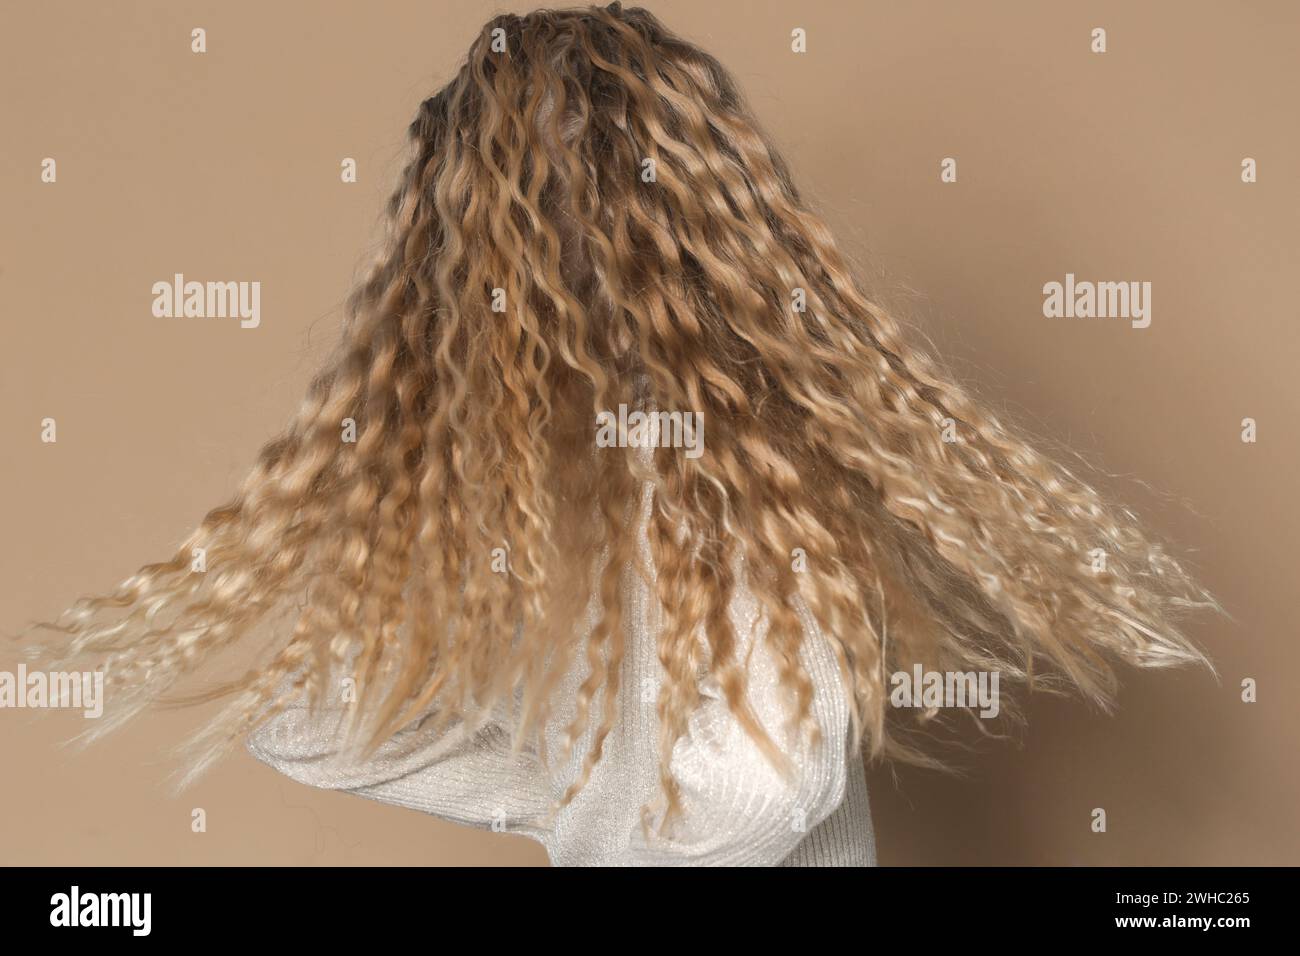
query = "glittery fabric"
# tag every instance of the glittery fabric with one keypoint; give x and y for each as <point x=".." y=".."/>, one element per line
<point x="738" y="810"/>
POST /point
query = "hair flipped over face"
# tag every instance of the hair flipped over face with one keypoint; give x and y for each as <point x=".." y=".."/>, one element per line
<point x="825" y="439"/>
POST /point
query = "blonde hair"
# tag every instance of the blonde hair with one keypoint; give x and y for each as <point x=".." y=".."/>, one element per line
<point x="708" y="286"/>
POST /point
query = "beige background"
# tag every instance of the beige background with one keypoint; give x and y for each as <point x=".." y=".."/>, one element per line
<point x="1122" y="166"/>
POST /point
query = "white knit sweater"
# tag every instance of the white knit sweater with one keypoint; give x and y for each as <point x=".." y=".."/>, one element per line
<point x="738" y="809"/>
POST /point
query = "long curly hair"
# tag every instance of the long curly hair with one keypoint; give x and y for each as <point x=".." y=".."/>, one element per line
<point x="591" y="217"/>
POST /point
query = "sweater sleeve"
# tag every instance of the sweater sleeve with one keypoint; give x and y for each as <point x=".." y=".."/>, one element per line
<point x="738" y="809"/>
<point x="468" y="775"/>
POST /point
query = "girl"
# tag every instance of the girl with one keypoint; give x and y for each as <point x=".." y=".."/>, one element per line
<point x="645" y="650"/>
